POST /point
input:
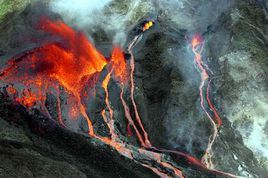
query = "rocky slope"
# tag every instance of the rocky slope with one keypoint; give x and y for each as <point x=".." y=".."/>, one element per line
<point x="167" y="84"/>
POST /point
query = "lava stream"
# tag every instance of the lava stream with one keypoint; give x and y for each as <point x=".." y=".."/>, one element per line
<point x="195" y="161"/>
<point x="109" y="121"/>
<point x="122" y="76"/>
<point x="119" y="70"/>
<point x="216" y="115"/>
<point x="197" y="48"/>
<point x="131" y="151"/>
<point x="129" y="118"/>
<point x="147" y="143"/>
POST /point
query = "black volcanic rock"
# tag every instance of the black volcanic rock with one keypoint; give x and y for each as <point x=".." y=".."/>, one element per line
<point x="168" y="84"/>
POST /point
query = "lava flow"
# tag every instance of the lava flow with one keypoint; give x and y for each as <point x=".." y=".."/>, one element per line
<point x="146" y="142"/>
<point x="197" y="48"/>
<point x="68" y="63"/>
<point x="121" y="75"/>
<point x="71" y="65"/>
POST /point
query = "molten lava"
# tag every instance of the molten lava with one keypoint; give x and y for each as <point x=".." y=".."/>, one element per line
<point x="67" y="62"/>
<point x="197" y="44"/>
<point x="146" y="142"/>
<point x="119" y="65"/>
<point x="109" y="121"/>
<point x="147" y="25"/>
<point x="29" y="99"/>
<point x="71" y="62"/>
<point x="122" y="75"/>
<point x="72" y="65"/>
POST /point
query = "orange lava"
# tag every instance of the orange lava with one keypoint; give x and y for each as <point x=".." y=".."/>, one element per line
<point x="109" y="121"/>
<point x="146" y="142"/>
<point x="197" y="42"/>
<point x="11" y="90"/>
<point x="129" y="118"/>
<point x="28" y="98"/>
<point x="72" y="63"/>
<point x="148" y="25"/>
<point x="207" y="106"/>
<point x="119" y="65"/>
<point x="68" y="62"/>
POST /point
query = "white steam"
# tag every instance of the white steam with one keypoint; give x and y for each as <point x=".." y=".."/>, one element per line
<point x="114" y="17"/>
<point x="79" y="12"/>
<point x="79" y="6"/>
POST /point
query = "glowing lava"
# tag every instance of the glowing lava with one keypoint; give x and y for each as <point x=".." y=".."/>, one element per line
<point x="119" y="66"/>
<point x="197" y="48"/>
<point x="68" y="62"/>
<point x="77" y="55"/>
<point x="108" y="120"/>
<point x="71" y="66"/>
<point x="146" y="143"/>
<point x="147" y="25"/>
<point x="122" y="75"/>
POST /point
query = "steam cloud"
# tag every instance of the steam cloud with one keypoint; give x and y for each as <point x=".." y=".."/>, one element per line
<point x="80" y="12"/>
<point x="114" y="17"/>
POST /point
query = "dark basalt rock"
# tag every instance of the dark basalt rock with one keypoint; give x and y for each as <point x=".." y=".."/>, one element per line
<point x="169" y="100"/>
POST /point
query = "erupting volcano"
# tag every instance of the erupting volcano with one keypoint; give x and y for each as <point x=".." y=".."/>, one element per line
<point x="119" y="88"/>
<point x="72" y="66"/>
<point x="72" y="62"/>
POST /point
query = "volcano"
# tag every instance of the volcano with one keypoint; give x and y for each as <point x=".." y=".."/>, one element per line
<point x="140" y="97"/>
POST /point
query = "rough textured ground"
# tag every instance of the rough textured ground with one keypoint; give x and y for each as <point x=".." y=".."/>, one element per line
<point x="167" y="92"/>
